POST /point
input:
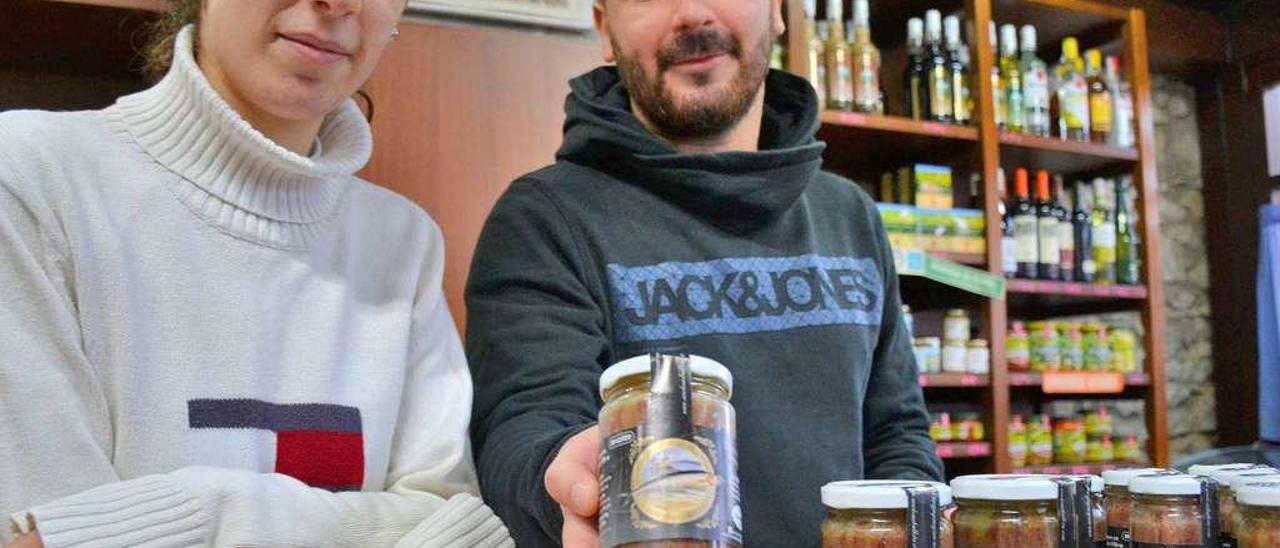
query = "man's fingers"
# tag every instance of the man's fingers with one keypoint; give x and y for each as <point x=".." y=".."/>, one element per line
<point x="572" y="477"/>
<point x="579" y="532"/>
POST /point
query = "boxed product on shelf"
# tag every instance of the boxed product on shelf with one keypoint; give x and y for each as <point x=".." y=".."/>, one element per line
<point x="959" y="231"/>
<point x="931" y="185"/>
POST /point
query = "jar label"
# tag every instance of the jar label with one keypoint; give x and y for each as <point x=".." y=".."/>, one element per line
<point x="669" y="478"/>
<point x="1118" y="537"/>
<point x="924" y="517"/>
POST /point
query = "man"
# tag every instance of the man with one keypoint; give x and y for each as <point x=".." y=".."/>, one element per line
<point x="687" y="211"/>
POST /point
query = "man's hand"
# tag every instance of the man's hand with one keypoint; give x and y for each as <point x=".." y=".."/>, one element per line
<point x="573" y="481"/>
<point x="27" y="541"/>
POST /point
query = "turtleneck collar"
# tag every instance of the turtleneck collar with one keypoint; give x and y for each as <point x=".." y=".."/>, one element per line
<point x="234" y="176"/>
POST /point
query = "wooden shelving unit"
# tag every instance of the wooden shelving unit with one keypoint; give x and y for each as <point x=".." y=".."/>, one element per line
<point x="862" y="146"/>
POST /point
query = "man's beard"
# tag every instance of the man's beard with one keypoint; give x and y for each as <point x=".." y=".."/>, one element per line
<point x="703" y="117"/>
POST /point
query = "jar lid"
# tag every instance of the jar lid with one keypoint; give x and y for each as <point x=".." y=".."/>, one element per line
<point x="977" y="343"/>
<point x="1209" y="469"/>
<point x="1121" y="478"/>
<point x="1225" y="475"/>
<point x="1005" y="488"/>
<point x="1247" y="478"/>
<point x="877" y="494"/>
<point x="1167" y="485"/>
<point x="957" y="312"/>
<point x="1260" y="494"/>
<point x="641" y="365"/>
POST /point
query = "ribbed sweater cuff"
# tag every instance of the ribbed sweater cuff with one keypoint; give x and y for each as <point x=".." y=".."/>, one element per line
<point x="462" y="522"/>
<point x="152" y="511"/>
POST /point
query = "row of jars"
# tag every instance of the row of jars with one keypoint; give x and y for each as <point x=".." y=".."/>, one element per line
<point x="1070" y="346"/>
<point x="962" y="427"/>
<point x="1144" y="507"/>
<point x="954" y="351"/>
<point x="1087" y="437"/>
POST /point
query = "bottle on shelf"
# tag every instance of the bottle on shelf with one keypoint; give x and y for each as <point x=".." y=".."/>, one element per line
<point x="999" y="95"/>
<point x="1047" y="230"/>
<point x="937" y="69"/>
<point x="867" y="96"/>
<point x="1101" y="105"/>
<point x="1123" y="132"/>
<point x="815" y="51"/>
<point x="1026" y="239"/>
<point x="1035" y="86"/>
<point x="1008" y="245"/>
<point x="1104" y="234"/>
<point x="915" y="79"/>
<point x="1066" y="232"/>
<point x="1127" y="260"/>
<point x="1070" y="102"/>
<point x="957" y="53"/>
<point x="838" y="59"/>
<point x="1011" y="74"/>
<point x="778" y="55"/>
<point x="1082" y="232"/>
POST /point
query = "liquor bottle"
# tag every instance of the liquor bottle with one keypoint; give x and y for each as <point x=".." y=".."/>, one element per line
<point x="938" y="70"/>
<point x="1127" y="260"/>
<point x="1035" y="86"/>
<point x="839" y="63"/>
<point x="1123" y="132"/>
<point x="1008" y="244"/>
<point x="1082" y="225"/>
<point x="867" y="96"/>
<point x="915" y="78"/>
<point x="957" y="53"/>
<point x="1047" y="231"/>
<point x="1101" y="105"/>
<point x="1011" y="73"/>
<point x="999" y="94"/>
<point x="815" y="51"/>
<point x="1071" y="97"/>
<point x="1026" y="239"/>
<point x="1066" y="231"/>
<point x="1104" y="234"/>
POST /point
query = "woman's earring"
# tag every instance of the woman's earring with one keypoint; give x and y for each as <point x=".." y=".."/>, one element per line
<point x="395" y="32"/>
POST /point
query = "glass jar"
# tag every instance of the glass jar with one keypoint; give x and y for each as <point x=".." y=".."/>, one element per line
<point x="1069" y="442"/>
<point x="955" y="327"/>
<point x="1168" y="510"/>
<point x="955" y="356"/>
<point x="977" y="430"/>
<point x="868" y="514"/>
<point x="1071" y="346"/>
<point x="1045" y="354"/>
<point x="1225" y="474"/>
<point x="1259" y="518"/>
<point x="1018" y="348"/>
<point x="691" y="422"/>
<point x="1124" y="351"/>
<point x="1099" y="423"/>
<point x="929" y="354"/>
<point x="1097" y="507"/>
<point x="1099" y="450"/>
<point x="1129" y="450"/>
<point x="1118" y="503"/>
<point x="1039" y="441"/>
<point x="1097" y="351"/>
<point x="940" y="428"/>
<point x="978" y="358"/>
<point x="1017" y="442"/>
<point x="1005" y="512"/>
<point x="961" y="429"/>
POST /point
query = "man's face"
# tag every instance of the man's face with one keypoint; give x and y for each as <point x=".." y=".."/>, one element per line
<point x="692" y="67"/>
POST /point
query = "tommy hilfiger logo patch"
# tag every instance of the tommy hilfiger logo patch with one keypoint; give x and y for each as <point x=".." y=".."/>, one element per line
<point x="319" y="444"/>
<point x="743" y="295"/>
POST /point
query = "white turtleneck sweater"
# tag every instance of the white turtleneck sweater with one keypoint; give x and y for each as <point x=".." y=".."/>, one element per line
<point x="206" y="339"/>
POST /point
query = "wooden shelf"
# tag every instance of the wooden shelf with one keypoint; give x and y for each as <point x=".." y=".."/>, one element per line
<point x="1070" y="289"/>
<point x="1135" y="385"/>
<point x="954" y="380"/>
<point x="964" y="449"/>
<point x="1094" y="468"/>
<point x="1058" y="156"/>
<point x="869" y="145"/>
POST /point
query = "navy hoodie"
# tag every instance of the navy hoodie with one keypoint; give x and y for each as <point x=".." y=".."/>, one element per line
<point x="758" y="260"/>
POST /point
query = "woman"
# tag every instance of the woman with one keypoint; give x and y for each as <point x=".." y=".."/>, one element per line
<point x="212" y="333"/>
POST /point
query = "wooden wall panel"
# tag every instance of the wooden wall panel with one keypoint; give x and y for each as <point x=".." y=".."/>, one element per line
<point x="460" y="111"/>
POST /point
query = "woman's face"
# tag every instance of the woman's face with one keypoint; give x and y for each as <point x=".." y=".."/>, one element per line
<point x="293" y="59"/>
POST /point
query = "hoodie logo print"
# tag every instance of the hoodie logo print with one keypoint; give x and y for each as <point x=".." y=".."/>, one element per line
<point x="743" y="295"/>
